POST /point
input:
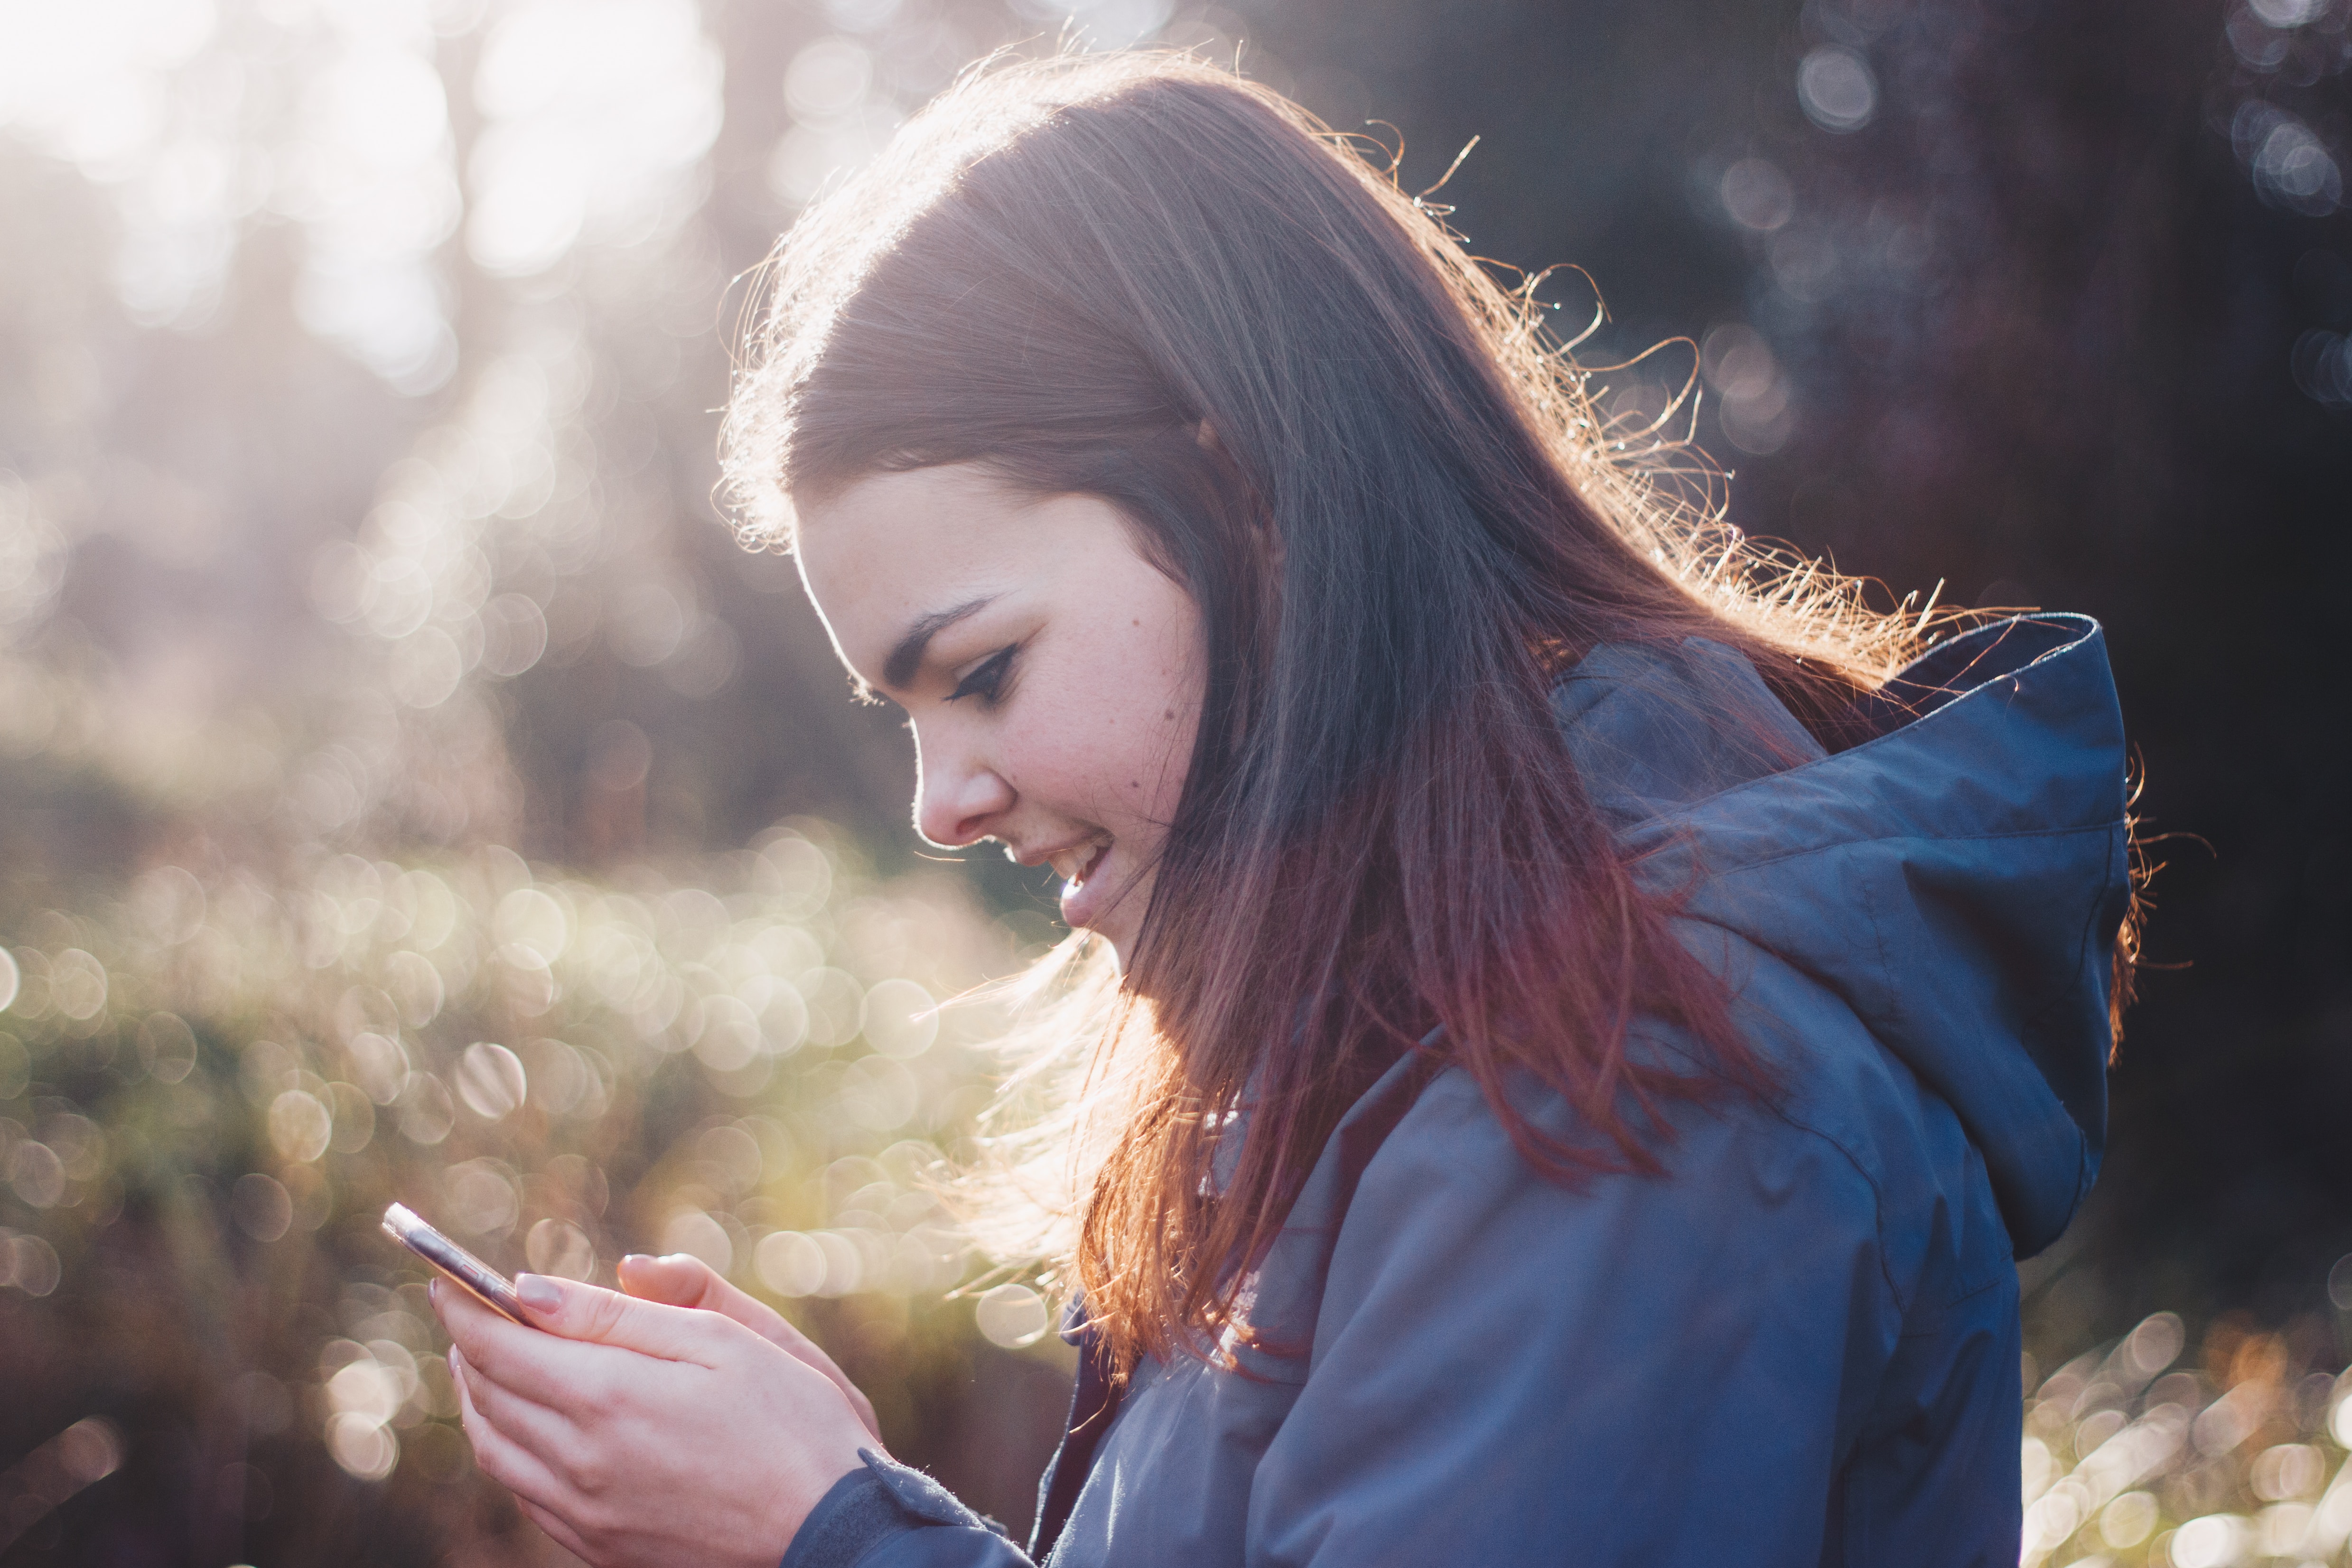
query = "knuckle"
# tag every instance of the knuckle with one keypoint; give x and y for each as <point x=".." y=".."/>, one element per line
<point x="598" y="1391"/>
<point x="590" y="1474"/>
<point x="604" y="1313"/>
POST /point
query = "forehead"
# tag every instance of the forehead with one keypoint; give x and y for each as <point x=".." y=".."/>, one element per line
<point x="903" y="530"/>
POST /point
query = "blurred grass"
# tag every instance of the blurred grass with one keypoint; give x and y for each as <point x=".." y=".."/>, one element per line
<point x="209" y="1091"/>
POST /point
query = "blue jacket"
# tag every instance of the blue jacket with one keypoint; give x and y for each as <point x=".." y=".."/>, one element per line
<point x="1801" y="1345"/>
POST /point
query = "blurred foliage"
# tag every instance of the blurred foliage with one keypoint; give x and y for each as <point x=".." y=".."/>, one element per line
<point x="211" y="1090"/>
<point x="406" y="790"/>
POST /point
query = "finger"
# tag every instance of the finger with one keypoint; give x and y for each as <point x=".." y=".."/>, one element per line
<point x="470" y="1324"/>
<point x="552" y="1435"/>
<point x="591" y="1314"/>
<point x="682" y="1279"/>
<point x="499" y="1456"/>
<point x="548" y="1369"/>
<point x="466" y="1322"/>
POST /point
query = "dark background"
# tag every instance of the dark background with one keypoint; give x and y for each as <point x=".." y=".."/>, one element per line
<point x="2083" y="397"/>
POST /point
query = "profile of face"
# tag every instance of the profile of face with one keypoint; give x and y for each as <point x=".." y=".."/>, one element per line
<point x="1051" y="675"/>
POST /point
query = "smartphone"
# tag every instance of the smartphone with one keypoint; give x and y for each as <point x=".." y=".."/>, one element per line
<point x="488" y="1284"/>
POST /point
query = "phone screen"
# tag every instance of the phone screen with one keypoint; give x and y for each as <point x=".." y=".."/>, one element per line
<point x="488" y="1284"/>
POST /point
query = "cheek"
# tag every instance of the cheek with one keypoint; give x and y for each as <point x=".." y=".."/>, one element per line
<point x="1116" y="747"/>
<point x="1104" y="765"/>
<point x="1159" y="707"/>
<point x="1151" y="746"/>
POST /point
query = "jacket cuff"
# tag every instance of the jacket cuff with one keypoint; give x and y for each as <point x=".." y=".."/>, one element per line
<point x="870" y="1505"/>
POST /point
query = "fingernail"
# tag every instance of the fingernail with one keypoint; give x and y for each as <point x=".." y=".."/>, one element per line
<point x="433" y="1292"/>
<point x="538" y="1292"/>
<point x="638" y="1258"/>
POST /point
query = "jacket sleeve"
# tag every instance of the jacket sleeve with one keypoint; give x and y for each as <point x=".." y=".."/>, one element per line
<point x="887" y="1515"/>
<point x="1647" y="1370"/>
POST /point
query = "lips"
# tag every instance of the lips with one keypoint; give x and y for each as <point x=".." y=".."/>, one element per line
<point x="1073" y="863"/>
<point x="1082" y="894"/>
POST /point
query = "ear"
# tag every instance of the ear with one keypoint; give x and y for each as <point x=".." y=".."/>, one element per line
<point x="1204" y="434"/>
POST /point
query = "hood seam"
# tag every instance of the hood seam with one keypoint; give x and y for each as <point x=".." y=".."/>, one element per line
<point x="2013" y="680"/>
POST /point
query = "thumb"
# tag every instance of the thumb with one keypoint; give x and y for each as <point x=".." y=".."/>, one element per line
<point x="573" y="1311"/>
<point x="682" y="1279"/>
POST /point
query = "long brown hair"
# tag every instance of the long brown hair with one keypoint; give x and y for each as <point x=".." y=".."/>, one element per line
<point x="1402" y="516"/>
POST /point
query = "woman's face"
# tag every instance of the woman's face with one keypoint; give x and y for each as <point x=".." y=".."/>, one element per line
<point x="1051" y="675"/>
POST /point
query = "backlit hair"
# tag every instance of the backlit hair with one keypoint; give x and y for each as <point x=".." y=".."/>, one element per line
<point x="1402" y="516"/>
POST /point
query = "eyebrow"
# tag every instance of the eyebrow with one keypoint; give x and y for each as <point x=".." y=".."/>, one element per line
<point x="899" y="669"/>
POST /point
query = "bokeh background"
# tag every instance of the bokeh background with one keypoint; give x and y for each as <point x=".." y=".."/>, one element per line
<point x="408" y="790"/>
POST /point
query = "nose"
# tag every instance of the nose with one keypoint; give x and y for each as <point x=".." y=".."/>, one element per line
<point x="958" y="798"/>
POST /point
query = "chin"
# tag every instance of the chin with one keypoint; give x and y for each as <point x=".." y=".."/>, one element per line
<point x="1119" y="927"/>
<point x="1119" y="937"/>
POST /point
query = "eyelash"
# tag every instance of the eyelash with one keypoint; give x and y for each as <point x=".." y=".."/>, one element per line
<point x="986" y="680"/>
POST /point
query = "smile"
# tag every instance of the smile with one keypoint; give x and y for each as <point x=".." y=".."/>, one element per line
<point x="1083" y="901"/>
<point x="1073" y="864"/>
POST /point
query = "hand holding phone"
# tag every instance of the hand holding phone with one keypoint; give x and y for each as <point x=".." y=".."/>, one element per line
<point x="486" y="1285"/>
<point x="631" y="1429"/>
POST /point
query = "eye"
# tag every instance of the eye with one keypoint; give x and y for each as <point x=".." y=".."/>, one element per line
<point x="986" y="679"/>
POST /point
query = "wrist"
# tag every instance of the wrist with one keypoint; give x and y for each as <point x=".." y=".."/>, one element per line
<point x="868" y="1504"/>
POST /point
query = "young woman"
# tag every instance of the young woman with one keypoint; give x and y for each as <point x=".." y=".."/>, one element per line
<point x="1596" y="1014"/>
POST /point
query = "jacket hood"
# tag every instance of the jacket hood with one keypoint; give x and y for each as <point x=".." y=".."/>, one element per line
<point x="1957" y="879"/>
